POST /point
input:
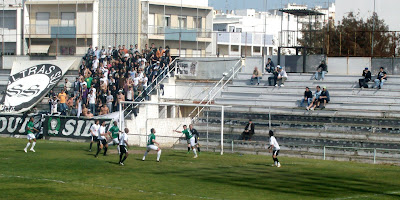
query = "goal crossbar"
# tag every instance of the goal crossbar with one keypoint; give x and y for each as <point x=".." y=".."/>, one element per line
<point x="182" y="104"/>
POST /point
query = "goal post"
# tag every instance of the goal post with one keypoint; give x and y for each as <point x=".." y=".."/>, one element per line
<point x="193" y="120"/>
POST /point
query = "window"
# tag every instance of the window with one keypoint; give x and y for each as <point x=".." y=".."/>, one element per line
<point x="239" y="30"/>
<point x="10" y="19"/>
<point x="152" y="28"/>
<point x="231" y="29"/>
<point x="42" y="22"/>
<point x="182" y="20"/>
<point x="67" y="19"/>
<point x="167" y="20"/>
<point x="197" y="22"/>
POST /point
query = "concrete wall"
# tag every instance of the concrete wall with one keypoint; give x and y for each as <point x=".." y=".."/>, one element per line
<point x="210" y="68"/>
<point x="149" y="117"/>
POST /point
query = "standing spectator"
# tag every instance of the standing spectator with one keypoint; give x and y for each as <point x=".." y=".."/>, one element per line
<point x="248" y="130"/>
<point x="79" y="105"/>
<point x="307" y="97"/>
<point x="90" y="51"/>
<point x="54" y="102"/>
<point x="88" y="81"/>
<point x="281" y="77"/>
<point x="77" y="87"/>
<point x="120" y="98"/>
<point x="68" y="85"/>
<point x="62" y="96"/>
<point x="380" y="79"/>
<point x="95" y="64"/>
<point x="110" y="100"/>
<point x="270" y="66"/>
<point x="85" y="93"/>
<point x="323" y="69"/>
<point x="92" y="101"/>
<point x="256" y="75"/>
<point x="363" y="82"/>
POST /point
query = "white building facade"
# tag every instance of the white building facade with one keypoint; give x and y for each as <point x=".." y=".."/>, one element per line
<point x="11" y="27"/>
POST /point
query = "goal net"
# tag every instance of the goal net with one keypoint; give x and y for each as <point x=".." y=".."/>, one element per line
<point x="167" y="118"/>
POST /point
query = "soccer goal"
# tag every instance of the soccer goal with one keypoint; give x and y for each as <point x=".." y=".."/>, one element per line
<point x="167" y="117"/>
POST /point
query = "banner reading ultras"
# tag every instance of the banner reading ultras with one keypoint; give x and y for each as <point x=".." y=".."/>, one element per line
<point x="69" y="127"/>
<point x="28" y="86"/>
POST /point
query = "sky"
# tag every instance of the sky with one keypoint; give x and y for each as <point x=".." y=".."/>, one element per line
<point x="260" y="4"/>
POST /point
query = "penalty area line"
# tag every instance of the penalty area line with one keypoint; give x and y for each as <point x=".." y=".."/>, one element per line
<point x="103" y="186"/>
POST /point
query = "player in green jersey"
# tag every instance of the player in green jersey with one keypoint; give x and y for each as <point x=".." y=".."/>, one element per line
<point x="190" y="138"/>
<point x="151" y="145"/>
<point x="31" y="137"/>
<point x="114" y="134"/>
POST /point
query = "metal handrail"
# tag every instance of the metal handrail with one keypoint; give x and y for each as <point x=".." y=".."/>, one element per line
<point x="155" y="86"/>
<point x="234" y="72"/>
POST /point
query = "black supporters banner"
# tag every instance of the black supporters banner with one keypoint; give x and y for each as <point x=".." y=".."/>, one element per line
<point x="70" y="127"/>
<point x="16" y="124"/>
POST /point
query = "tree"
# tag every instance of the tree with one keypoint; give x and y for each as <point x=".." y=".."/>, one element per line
<point x="352" y="37"/>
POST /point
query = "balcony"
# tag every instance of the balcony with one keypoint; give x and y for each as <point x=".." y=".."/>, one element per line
<point x="244" y="39"/>
<point x="50" y="31"/>
<point x="63" y="31"/>
<point x="173" y="33"/>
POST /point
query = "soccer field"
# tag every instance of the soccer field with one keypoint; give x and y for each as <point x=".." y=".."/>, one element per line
<point x="66" y="170"/>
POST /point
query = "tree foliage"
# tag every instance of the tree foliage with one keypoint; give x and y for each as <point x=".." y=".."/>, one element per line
<point x="352" y="37"/>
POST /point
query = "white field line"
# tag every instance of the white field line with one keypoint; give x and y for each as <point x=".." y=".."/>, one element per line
<point x="102" y="186"/>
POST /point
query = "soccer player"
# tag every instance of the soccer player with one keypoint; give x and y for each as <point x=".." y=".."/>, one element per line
<point x="31" y="137"/>
<point x="114" y="133"/>
<point x="275" y="147"/>
<point x="190" y="138"/>
<point x="102" y="140"/>
<point x="123" y="143"/>
<point x="196" y="136"/>
<point x="94" y="130"/>
<point x="151" y="146"/>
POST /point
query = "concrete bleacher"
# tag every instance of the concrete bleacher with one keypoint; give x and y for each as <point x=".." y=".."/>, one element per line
<point x="359" y="118"/>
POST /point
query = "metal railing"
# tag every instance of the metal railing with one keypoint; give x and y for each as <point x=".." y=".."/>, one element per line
<point x="359" y="148"/>
<point x="210" y="96"/>
<point x="161" y="30"/>
<point x="150" y="88"/>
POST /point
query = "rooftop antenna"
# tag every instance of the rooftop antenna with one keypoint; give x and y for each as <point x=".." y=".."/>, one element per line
<point x="226" y="6"/>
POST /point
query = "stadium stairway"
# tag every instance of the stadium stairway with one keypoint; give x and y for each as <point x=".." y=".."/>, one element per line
<point x="365" y="119"/>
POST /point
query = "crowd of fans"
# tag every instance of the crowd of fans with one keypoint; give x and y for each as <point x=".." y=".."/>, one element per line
<point x="109" y="76"/>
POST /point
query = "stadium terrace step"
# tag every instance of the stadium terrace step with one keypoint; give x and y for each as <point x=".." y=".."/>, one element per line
<point x="238" y="101"/>
<point x="297" y="98"/>
<point x="300" y="90"/>
<point x="263" y="125"/>
<point x="307" y="77"/>
<point x="313" y="84"/>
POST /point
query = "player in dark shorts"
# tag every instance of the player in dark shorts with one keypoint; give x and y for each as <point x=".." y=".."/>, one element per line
<point x="102" y="139"/>
<point x="196" y="136"/>
<point x="94" y="132"/>
<point x="123" y="143"/>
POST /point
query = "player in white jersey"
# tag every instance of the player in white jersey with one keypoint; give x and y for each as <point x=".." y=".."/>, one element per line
<point x="94" y="132"/>
<point x="102" y="139"/>
<point x="123" y="143"/>
<point x="274" y="146"/>
<point x="151" y="145"/>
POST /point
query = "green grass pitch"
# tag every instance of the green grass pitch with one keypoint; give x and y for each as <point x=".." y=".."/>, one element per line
<point x="66" y="170"/>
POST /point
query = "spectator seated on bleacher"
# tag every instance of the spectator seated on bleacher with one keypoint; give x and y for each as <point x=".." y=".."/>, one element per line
<point x="322" y="69"/>
<point x="315" y="99"/>
<point x="248" y="131"/>
<point x="274" y="76"/>
<point x="256" y="75"/>
<point x="380" y="79"/>
<point x="281" y="77"/>
<point x="363" y="82"/>
<point x="270" y="66"/>
<point x="307" y="97"/>
<point x="324" y="98"/>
